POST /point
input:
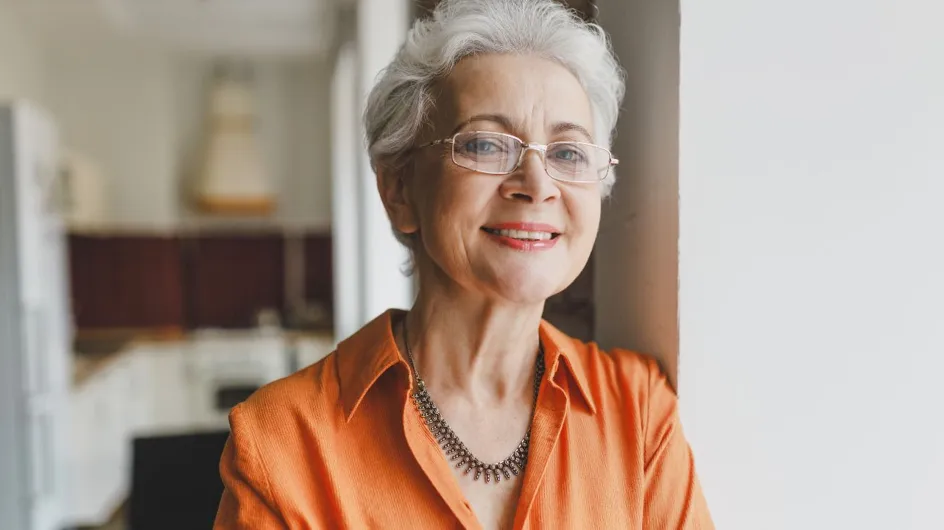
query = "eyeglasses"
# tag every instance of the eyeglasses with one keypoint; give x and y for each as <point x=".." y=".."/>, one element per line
<point x="500" y="154"/>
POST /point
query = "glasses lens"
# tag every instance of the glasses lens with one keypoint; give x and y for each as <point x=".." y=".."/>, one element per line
<point x="577" y="161"/>
<point x="486" y="152"/>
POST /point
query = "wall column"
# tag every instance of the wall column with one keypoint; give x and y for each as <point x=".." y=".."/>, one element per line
<point x="636" y="261"/>
<point x="368" y="259"/>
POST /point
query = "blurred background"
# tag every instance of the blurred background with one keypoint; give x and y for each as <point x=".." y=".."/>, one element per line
<point x="187" y="213"/>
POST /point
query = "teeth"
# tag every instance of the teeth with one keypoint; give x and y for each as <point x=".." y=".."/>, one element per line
<point x="523" y="234"/>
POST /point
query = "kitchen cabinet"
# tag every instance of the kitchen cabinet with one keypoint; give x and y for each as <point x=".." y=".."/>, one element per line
<point x="215" y="361"/>
<point x="98" y="461"/>
<point x="161" y="388"/>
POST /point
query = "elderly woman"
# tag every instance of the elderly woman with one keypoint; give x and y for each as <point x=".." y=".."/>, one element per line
<point x="488" y="134"/>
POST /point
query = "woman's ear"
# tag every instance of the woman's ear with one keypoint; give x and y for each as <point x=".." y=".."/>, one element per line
<point x="394" y="193"/>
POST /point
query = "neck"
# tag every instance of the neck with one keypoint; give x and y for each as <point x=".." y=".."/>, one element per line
<point x="484" y="349"/>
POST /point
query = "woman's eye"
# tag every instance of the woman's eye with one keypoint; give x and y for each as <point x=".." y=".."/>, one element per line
<point x="568" y="155"/>
<point x="481" y="146"/>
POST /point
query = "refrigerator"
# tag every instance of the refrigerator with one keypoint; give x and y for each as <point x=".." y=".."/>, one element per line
<point x="35" y="323"/>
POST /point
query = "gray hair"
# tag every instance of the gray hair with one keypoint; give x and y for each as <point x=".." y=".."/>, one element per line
<point x="399" y="103"/>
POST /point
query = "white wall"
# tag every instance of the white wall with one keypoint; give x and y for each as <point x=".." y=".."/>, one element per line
<point x="346" y="147"/>
<point x="368" y="260"/>
<point x="116" y="104"/>
<point x="381" y="28"/>
<point x="306" y="186"/>
<point x="140" y="112"/>
<point x="293" y="105"/>
<point x="21" y="58"/>
<point x="812" y="261"/>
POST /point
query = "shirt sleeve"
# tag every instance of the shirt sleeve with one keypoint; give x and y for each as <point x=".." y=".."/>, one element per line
<point x="674" y="498"/>
<point x="247" y="498"/>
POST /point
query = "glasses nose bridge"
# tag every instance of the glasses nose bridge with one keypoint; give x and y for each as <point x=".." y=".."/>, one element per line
<point x="540" y="148"/>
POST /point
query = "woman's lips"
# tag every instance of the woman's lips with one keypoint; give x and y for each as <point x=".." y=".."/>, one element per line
<point x="523" y="236"/>
<point x="525" y="226"/>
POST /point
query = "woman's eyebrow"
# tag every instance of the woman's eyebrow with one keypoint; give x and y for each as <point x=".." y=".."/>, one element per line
<point x="564" y="126"/>
<point x="500" y="119"/>
<point x="505" y="122"/>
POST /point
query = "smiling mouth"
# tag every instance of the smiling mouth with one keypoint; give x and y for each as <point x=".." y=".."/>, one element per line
<point x="522" y="235"/>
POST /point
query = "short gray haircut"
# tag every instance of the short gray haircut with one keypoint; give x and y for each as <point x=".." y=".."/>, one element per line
<point x="399" y="103"/>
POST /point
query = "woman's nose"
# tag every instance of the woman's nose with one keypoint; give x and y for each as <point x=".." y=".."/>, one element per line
<point x="530" y="182"/>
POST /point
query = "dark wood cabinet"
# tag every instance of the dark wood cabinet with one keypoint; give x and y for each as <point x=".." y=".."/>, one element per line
<point x="166" y="282"/>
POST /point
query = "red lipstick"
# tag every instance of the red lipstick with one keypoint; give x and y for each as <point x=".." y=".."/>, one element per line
<point x="493" y="231"/>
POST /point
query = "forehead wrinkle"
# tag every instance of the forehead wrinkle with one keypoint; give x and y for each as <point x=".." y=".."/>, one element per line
<point x="472" y="93"/>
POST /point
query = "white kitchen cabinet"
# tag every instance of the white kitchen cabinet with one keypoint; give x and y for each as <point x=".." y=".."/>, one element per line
<point x="313" y="348"/>
<point x="162" y="391"/>
<point x="99" y="460"/>
<point x="139" y="392"/>
<point x="216" y="360"/>
<point x="160" y="388"/>
<point x="83" y="481"/>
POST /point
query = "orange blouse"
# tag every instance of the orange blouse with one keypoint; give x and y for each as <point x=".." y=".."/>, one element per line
<point x="340" y="445"/>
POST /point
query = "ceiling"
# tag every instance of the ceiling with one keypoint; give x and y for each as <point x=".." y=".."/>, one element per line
<point x="219" y="27"/>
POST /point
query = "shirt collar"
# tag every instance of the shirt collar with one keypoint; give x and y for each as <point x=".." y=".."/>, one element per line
<point x="557" y="346"/>
<point x="363" y="358"/>
<point x="371" y="351"/>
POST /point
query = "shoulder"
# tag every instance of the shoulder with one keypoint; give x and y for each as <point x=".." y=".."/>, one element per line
<point x="631" y="390"/>
<point x="622" y="381"/>
<point x="307" y="399"/>
<point x="277" y="431"/>
<point x="618" y="369"/>
<point x="319" y="399"/>
<point x="642" y="381"/>
<point x="631" y="369"/>
<point x="638" y="372"/>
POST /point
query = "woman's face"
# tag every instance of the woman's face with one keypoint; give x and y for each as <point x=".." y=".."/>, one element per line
<point x="456" y="213"/>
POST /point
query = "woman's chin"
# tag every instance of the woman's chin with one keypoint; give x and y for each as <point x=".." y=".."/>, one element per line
<point x="529" y="288"/>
